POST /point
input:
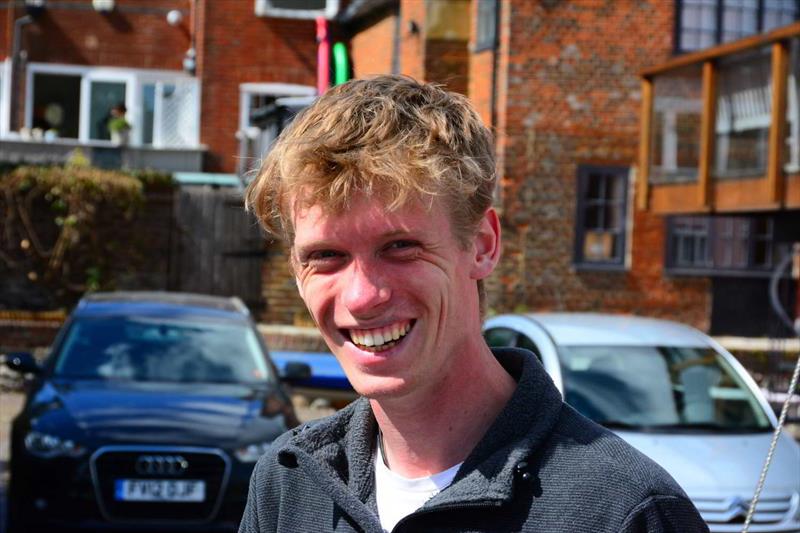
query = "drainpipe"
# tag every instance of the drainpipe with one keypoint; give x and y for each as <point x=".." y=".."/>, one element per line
<point x="16" y="61"/>
<point x="323" y="56"/>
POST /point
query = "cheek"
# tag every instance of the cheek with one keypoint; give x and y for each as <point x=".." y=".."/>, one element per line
<point x="316" y="292"/>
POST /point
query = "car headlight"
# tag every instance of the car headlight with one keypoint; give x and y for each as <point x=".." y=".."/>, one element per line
<point x="48" y="446"/>
<point x="251" y="452"/>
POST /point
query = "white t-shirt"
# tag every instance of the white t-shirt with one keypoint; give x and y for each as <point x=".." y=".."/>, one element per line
<point x="398" y="496"/>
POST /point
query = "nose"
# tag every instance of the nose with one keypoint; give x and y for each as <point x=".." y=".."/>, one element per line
<point x="365" y="290"/>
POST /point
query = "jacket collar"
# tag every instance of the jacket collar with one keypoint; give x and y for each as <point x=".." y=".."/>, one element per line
<point x="339" y="449"/>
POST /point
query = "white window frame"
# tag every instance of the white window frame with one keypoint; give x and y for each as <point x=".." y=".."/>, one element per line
<point x="134" y="79"/>
<point x="277" y="90"/>
<point x="5" y="97"/>
<point x="264" y="8"/>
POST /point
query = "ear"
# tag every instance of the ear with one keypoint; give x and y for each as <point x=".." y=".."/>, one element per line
<point x="486" y="245"/>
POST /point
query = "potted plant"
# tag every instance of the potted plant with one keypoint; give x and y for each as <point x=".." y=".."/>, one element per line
<point x="119" y="128"/>
<point x="118" y="125"/>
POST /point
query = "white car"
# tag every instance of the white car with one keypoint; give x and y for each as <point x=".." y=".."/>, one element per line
<point x="676" y="395"/>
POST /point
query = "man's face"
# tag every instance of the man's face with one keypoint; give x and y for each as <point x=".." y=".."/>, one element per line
<point x="393" y="293"/>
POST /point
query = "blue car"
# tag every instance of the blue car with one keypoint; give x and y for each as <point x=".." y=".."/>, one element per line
<point x="148" y="414"/>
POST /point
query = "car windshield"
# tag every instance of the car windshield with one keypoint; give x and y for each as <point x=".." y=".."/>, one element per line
<point x="660" y="388"/>
<point x="159" y="349"/>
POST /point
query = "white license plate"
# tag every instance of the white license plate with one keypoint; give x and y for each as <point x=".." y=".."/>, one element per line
<point x="160" y="490"/>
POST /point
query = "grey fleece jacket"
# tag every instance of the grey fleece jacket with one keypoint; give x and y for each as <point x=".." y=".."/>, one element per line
<point x="541" y="467"/>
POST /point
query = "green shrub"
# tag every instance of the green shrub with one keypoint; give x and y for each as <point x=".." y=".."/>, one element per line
<point x="61" y="224"/>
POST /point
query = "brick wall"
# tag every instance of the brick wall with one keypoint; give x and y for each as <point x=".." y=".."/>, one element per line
<point x="372" y="48"/>
<point x="284" y="305"/>
<point x="26" y="335"/>
<point x="234" y="47"/>
<point x="569" y="96"/>
<point x="135" y="34"/>
<point x="412" y="45"/>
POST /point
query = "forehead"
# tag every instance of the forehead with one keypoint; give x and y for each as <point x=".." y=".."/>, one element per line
<point x="368" y="216"/>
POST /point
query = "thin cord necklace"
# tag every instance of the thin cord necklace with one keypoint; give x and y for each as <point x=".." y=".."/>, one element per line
<point x="382" y="449"/>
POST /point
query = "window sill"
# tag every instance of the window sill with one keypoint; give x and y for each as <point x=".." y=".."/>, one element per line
<point x="599" y="267"/>
<point x="711" y="272"/>
<point x="68" y="142"/>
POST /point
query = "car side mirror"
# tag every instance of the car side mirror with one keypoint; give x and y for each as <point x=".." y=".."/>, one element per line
<point x="296" y="371"/>
<point x="22" y="362"/>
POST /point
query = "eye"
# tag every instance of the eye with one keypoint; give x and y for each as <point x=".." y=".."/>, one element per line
<point x="398" y="245"/>
<point x="402" y="248"/>
<point x="322" y="259"/>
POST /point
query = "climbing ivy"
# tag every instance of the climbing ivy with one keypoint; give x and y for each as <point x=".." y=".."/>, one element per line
<point x="59" y="224"/>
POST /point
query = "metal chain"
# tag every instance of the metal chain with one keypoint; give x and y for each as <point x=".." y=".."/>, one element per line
<point x="778" y="308"/>
<point x="773" y="444"/>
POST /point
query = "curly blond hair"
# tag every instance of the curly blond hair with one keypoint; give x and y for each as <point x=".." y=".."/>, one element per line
<point x="390" y="137"/>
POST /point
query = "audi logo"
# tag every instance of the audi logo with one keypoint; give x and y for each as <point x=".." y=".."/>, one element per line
<point x="161" y="465"/>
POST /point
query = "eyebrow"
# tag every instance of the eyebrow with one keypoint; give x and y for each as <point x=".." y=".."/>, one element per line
<point x="325" y="244"/>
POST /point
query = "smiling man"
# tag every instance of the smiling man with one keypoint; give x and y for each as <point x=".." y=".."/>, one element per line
<point x="383" y="189"/>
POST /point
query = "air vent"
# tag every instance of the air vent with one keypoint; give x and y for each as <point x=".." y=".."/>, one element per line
<point x="297" y="9"/>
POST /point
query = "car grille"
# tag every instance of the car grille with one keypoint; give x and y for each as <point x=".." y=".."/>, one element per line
<point x="111" y="463"/>
<point x="732" y="510"/>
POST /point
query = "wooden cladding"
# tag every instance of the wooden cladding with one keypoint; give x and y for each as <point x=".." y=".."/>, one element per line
<point x="718" y="187"/>
<point x="707" y="120"/>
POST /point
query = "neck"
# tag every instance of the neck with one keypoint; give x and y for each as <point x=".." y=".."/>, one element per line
<point x="435" y="429"/>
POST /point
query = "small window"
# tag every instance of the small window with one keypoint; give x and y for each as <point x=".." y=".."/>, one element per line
<point x="688" y="242"/>
<point x="104" y="96"/>
<point x="704" y="23"/>
<point x="161" y="108"/>
<point x="297" y="9"/>
<point x="487" y="25"/>
<point x="56" y="104"/>
<point x="601" y="217"/>
<point x="720" y="244"/>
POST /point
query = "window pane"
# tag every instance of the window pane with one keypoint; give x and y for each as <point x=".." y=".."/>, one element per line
<point x="487" y="23"/>
<point x="689" y="239"/>
<point x="179" y="115"/>
<point x="148" y="112"/>
<point x="792" y="130"/>
<point x="104" y="96"/>
<point x="779" y="13"/>
<point x="162" y="350"/>
<point x="613" y="219"/>
<point x="56" y="104"/>
<point x="596" y="187"/>
<point x="602" y="235"/>
<point x="744" y="103"/>
<point x="447" y="20"/>
<point x="649" y="386"/>
<point x="298" y="4"/>
<point x="739" y="19"/>
<point x="675" y="141"/>
<point x="594" y="217"/>
<point x="698" y="24"/>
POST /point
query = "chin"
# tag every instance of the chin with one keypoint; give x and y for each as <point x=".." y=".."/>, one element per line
<point x="380" y="388"/>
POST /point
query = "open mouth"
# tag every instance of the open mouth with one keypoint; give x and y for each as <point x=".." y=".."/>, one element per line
<point x="379" y="339"/>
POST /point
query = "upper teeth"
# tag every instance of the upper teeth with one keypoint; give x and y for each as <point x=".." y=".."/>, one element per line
<point x="379" y="336"/>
